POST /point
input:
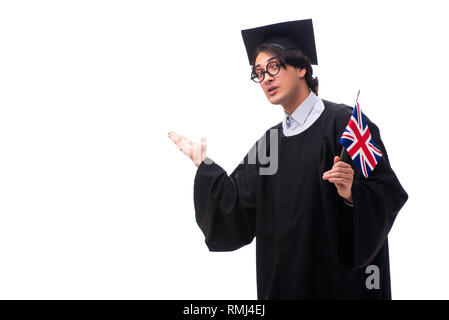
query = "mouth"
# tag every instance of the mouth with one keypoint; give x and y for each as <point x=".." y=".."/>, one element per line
<point x="272" y="90"/>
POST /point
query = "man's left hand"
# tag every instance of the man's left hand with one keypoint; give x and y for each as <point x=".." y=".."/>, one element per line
<point x="342" y="176"/>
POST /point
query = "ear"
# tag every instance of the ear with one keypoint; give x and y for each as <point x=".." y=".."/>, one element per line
<point x="302" y="73"/>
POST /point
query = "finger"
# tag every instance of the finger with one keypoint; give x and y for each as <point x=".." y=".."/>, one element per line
<point x="171" y="135"/>
<point x="176" y="138"/>
<point x="330" y="173"/>
<point x="183" y="143"/>
<point x="343" y="182"/>
<point x="340" y="176"/>
<point x="346" y="178"/>
<point x="341" y="164"/>
<point x="184" y="147"/>
<point x="203" y="146"/>
<point x="336" y="159"/>
<point x="338" y="164"/>
<point x="341" y="170"/>
<point x="198" y="153"/>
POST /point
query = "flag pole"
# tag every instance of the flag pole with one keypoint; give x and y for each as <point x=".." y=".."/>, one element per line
<point x="342" y="150"/>
<point x="356" y="100"/>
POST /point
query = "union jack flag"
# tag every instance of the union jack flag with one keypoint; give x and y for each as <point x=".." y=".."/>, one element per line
<point x="358" y="142"/>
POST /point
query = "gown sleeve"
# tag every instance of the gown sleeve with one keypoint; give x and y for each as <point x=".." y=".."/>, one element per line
<point x="225" y="206"/>
<point x="363" y="228"/>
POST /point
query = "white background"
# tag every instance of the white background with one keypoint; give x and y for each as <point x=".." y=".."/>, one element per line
<point x="97" y="203"/>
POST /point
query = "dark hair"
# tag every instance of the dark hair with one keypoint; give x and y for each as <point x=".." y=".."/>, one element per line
<point x="293" y="57"/>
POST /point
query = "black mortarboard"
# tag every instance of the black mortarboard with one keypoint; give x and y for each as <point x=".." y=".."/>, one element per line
<point x="288" y="35"/>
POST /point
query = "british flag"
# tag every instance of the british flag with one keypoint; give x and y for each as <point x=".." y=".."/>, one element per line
<point x="358" y="142"/>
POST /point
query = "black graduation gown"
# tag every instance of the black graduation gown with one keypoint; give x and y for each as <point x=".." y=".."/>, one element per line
<point x="309" y="243"/>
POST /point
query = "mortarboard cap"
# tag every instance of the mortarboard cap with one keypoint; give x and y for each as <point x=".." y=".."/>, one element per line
<point x="287" y="35"/>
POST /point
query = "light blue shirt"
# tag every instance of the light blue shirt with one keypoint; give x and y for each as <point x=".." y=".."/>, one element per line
<point x="304" y="115"/>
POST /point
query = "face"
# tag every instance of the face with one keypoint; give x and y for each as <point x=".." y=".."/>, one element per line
<point x="282" y="88"/>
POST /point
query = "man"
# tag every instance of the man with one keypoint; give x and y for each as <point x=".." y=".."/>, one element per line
<point x="321" y="227"/>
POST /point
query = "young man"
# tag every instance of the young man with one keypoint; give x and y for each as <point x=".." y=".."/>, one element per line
<point x="321" y="227"/>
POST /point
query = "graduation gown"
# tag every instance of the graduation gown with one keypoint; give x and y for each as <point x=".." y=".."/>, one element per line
<point x="309" y="243"/>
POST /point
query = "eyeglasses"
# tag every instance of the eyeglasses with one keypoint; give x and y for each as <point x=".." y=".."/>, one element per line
<point x="272" y="68"/>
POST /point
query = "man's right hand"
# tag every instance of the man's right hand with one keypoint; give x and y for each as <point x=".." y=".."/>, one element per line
<point x="195" y="151"/>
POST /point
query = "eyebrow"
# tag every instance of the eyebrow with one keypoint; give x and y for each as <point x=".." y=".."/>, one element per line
<point x="267" y="61"/>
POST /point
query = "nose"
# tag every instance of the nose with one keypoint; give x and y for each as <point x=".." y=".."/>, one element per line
<point x="268" y="78"/>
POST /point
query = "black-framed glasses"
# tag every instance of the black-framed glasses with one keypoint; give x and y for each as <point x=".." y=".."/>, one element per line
<point x="272" y="68"/>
